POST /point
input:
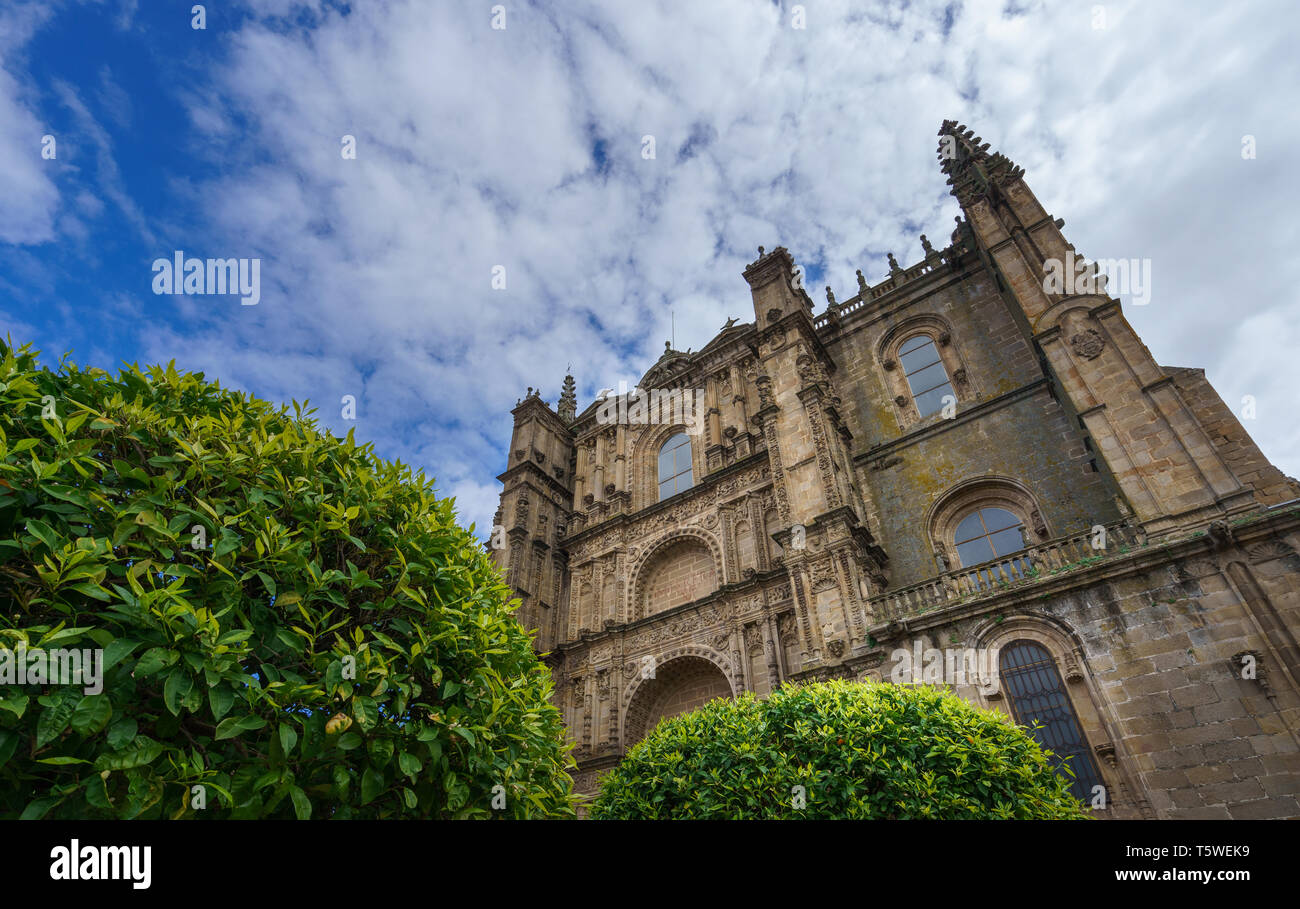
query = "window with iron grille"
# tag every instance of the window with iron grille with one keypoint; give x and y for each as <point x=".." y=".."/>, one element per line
<point x="1032" y="684"/>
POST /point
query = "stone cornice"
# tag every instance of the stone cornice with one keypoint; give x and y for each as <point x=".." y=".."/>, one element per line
<point x="529" y="467"/>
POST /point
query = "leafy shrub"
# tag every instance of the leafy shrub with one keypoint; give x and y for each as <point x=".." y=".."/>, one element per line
<point x="857" y="750"/>
<point x="286" y="620"/>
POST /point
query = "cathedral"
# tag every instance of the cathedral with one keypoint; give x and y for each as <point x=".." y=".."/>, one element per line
<point x="970" y="474"/>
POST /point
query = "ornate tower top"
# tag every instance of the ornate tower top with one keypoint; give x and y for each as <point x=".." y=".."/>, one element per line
<point x="568" y="404"/>
<point x="971" y="170"/>
<point x="776" y="289"/>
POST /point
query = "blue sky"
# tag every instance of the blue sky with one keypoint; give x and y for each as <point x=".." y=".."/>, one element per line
<point x="522" y="147"/>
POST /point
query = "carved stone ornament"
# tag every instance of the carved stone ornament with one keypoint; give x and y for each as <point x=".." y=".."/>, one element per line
<point x="1073" y="671"/>
<point x="1106" y="751"/>
<point x="1268" y="550"/>
<point x="1221" y="535"/>
<point x="1040" y="526"/>
<point x="1088" y="343"/>
<point x="900" y="401"/>
<point x="890" y="364"/>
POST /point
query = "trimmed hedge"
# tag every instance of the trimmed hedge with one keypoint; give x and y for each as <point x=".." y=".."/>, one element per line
<point x="837" y="750"/>
<point x="288" y="622"/>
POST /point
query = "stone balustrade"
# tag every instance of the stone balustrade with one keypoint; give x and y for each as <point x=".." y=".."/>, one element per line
<point x="1042" y="560"/>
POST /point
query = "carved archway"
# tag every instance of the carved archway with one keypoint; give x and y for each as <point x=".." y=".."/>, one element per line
<point x="680" y="681"/>
<point x="638" y="575"/>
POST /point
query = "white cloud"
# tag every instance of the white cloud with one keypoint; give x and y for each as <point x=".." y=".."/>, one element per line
<point x="29" y="199"/>
<point x="475" y="149"/>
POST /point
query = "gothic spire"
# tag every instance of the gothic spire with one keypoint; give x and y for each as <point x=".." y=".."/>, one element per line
<point x="971" y="170"/>
<point x="568" y="406"/>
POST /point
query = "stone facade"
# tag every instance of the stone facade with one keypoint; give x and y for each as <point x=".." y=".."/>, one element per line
<point x="1154" y="592"/>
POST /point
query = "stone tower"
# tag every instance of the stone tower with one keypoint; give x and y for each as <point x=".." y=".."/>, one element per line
<point x="963" y="466"/>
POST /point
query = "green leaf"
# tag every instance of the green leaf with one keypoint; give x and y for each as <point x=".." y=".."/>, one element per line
<point x="342" y="782"/>
<point x="94" y="591"/>
<point x="56" y="715"/>
<point x="142" y="751"/>
<point x="122" y="732"/>
<point x="333" y="677"/>
<point x="234" y="725"/>
<point x="251" y="723"/>
<point x="229" y="727"/>
<point x="409" y="764"/>
<point x="154" y="659"/>
<point x="220" y="699"/>
<point x="301" y="806"/>
<point x="37" y="809"/>
<point x="465" y="734"/>
<point x="177" y="686"/>
<point x="288" y="738"/>
<point x="366" y="711"/>
<point x="15" y="704"/>
<point x="372" y="784"/>
<point x="45" y="534"/>
<point x="8" y="743"/>
<point x="92" y="714"/>
<point x="117" y="651"/>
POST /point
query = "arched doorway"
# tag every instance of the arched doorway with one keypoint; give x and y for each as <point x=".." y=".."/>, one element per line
<point x="678" y="686"/>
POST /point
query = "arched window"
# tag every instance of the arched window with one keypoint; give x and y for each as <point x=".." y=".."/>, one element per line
<point x="1032" y="684"/>
<point x="675" y="466"/>
<point x="925" y="374"/>
<point x="988" y="534"/>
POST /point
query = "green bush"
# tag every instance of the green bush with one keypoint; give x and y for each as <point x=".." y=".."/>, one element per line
<point x="857" y="750"/>
<point x="287" y="621"/>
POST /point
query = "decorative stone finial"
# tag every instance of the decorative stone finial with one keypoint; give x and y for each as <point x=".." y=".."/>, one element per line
<point x="568" y="405"/>
<point x="760" y="252"/>
<point x="862" y="282"/>
<point x="925" y="244"/>
<point x="830" y="295"/>
<point x="893" y="263"/>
